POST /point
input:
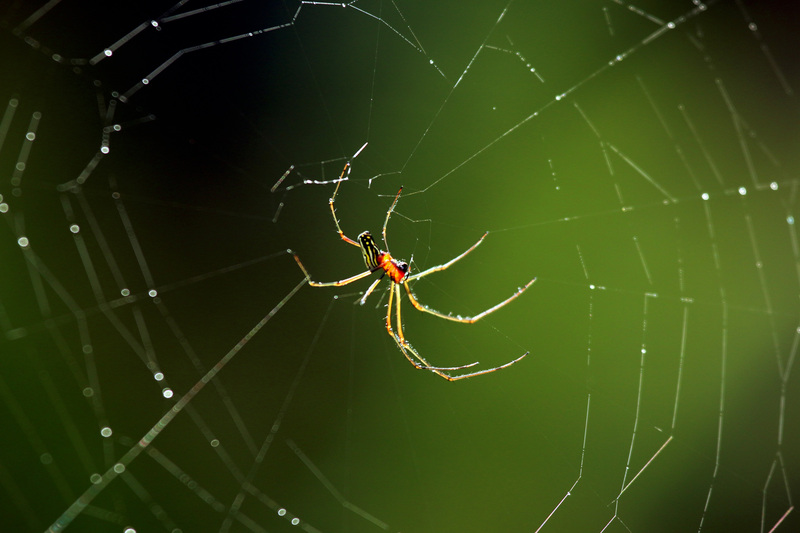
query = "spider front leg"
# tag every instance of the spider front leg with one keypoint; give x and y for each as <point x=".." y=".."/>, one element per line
<point x="463" y="319"/>
<point x="447" y="265"/>
<point x="342" y="177"/>
<point x="444" y="266"/>
<point x="332" y="199"/>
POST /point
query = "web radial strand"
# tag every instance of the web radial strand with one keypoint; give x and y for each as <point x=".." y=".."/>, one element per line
<point x="79" y="505"/>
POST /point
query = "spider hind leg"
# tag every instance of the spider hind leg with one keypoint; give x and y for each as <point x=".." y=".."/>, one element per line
<point x="415" y="358"/>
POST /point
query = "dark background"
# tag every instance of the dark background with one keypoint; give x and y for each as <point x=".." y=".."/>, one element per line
<point x="578" y="133"/>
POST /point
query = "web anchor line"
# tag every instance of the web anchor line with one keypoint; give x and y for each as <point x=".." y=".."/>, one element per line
<point x="79" y="505"/>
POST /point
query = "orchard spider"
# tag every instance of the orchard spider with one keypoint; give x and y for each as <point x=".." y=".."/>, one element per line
<point x="398" y="272"/>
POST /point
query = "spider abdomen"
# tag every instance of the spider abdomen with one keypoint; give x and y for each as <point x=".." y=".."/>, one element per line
<point x="372" y="255"/>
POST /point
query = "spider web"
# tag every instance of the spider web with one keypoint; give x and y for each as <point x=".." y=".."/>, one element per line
<point x="163" y="365"/>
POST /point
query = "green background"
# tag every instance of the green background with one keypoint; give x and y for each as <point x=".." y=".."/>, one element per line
<point x="581" y="145"/>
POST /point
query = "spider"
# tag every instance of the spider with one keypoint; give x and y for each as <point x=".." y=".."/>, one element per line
<point x="399" y="274"/>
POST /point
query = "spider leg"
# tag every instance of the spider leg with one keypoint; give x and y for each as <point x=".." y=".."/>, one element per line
<point x="363" y="299"/>
<point x="463" y="319"/>
<point x="439" y="268"/>
<point x="484" y="371"/>
<point x="339" y="283"/>
<point x="401" y="342"/>
<point x="407" y="349"/>
<point x="332" y="199"/>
